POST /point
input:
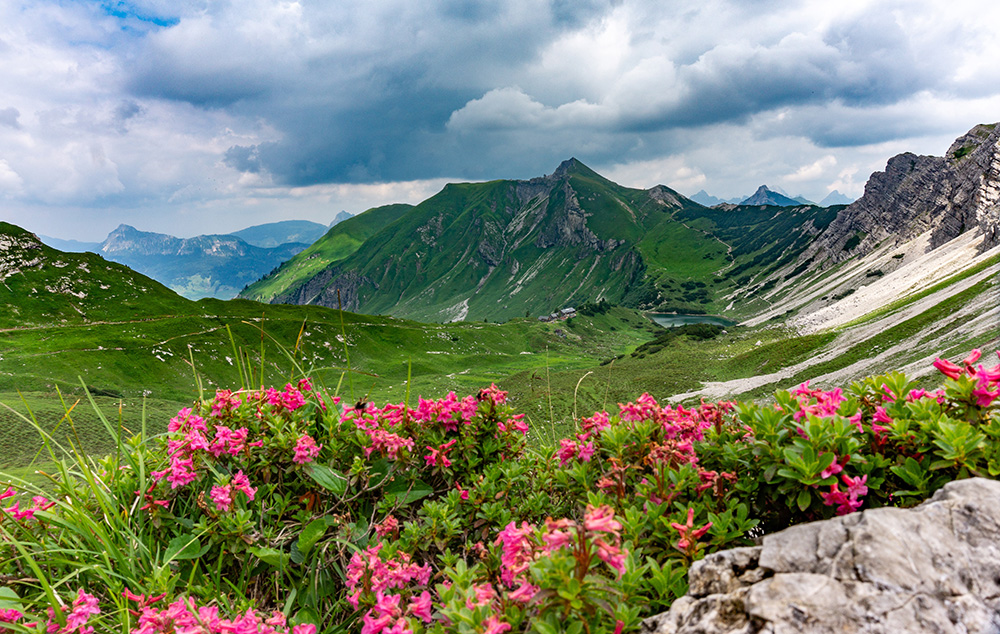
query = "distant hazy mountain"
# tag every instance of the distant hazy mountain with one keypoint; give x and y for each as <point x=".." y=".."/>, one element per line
<point x="765" y="196"/>
<point x="339" y="218"/>
<point x="203" y="266"/>
<point x="835" y="198"/>
<point x="70" y="246"/>
<point x="274" y="234"/>
<point x="704" y="198"/>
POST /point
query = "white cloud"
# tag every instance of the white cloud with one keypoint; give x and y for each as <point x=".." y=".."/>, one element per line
<point x="813" y="171"/>
<point x="10" y="182"/>
<point x="347" y="104"/>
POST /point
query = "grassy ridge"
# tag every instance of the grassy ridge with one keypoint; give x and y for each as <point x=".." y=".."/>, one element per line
<point x="340" y="241"/>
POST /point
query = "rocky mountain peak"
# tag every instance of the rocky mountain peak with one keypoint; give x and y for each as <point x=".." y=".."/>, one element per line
<point x="568" y="166"/>
<point x="945" y="196"/>
<point x="766" y="196"/>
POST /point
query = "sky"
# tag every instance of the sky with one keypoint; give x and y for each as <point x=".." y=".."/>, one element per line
<point x="207" y="116"/>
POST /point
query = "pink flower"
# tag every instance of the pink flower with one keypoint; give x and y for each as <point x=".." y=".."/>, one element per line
<point x="524" y="593"/>
<point x="984" y="378"/>
<point x="833" y="469"/>
<point x="493" y="625"/>
<point x="601" y="519"/>
<point x="306" y="450"/>
<point x="555" y="535"/>
<point x="16" y="512"/>
<point x="948" y="368"/>
<point x="292" y="399"/>
<point x="612" y="555"/>
<point x="484" y="595"/>
<point x="388" y="526"/>
<point x="881" y="416"/>
<point x="518" y="551"/>
<point x="689" y="535"/>
<point x="8" y="493"/>
<point x="516" y="423"/>
<point x="493" y="394"/>
<point x="186" y="421"/>
<point x="567" y="451"/>
<point x="420" y="607"/>
<point x="596" y="423"/>
<point x="463" y="494"/>
<point x="151" y="501"/>
<point x="225" y="403"/>
<point x="9" y="616"/>
<point x="388" y="441"/>
<point x="222" y="496"/>
<point x="42" y="503"/>
<point x="439" y="454"/>
<point x="305" y="628"/>
<point x="847" y="501"/>
<point x="181" y="473"/>
<point x="972" y="358"/>
<point x="84" y="606"/>
<point x="242" y="483"/>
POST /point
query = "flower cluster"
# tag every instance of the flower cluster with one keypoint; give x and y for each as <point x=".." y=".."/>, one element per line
<point x="983" y="378"/>
<point x="38" y="503"/>
<point x="76" y="620"/>
<point x="223" y="495"/>
<point x="850" y="500"/>
<point x="371" y="578"/>
<point x="184" y="615"/>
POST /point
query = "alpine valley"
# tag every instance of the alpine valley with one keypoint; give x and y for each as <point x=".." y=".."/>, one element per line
<point x="447" y="294"/>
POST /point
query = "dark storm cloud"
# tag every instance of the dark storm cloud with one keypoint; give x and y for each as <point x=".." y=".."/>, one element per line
<point x="363" y="96"/>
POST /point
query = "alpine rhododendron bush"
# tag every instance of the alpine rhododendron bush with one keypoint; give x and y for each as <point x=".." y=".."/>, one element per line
<point x="288" y="511"/>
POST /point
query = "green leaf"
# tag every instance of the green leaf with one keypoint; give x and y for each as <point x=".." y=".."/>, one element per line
<point x="305" y="615"/>
<point x="184" y="547"/>
<point x="311" y="534"/>
<point x="406" y="492"/>
<point x="327" y="478"/>
<point x="9" y="600"/>
<point x="804" y="499"/>
<point x="271" y="556"/>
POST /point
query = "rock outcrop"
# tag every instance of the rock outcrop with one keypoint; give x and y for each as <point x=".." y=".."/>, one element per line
<point x="932" y="568"/>
<point x="946" y="195"/>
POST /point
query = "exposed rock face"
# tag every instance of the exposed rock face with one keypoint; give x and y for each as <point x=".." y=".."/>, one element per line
<point x="332" y="287"/>
<point x="19" y="250"/>
<point x="945" y="195"/>
<point x="933" y="568"/>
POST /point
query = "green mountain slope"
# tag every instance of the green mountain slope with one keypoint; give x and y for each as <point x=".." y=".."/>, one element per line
<point x="506" y="249"/>
<point x="343" y="239"/>
<point x="41" y="286"/>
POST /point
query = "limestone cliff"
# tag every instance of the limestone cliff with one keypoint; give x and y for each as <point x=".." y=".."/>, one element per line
<point x="946" y="195"/>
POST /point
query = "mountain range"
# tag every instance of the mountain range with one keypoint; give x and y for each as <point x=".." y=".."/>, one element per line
<point x="207" y="265"/>
<point x="506" y="249"/>
<point x="708" y="200"/>
<point x="906" y="273"/>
